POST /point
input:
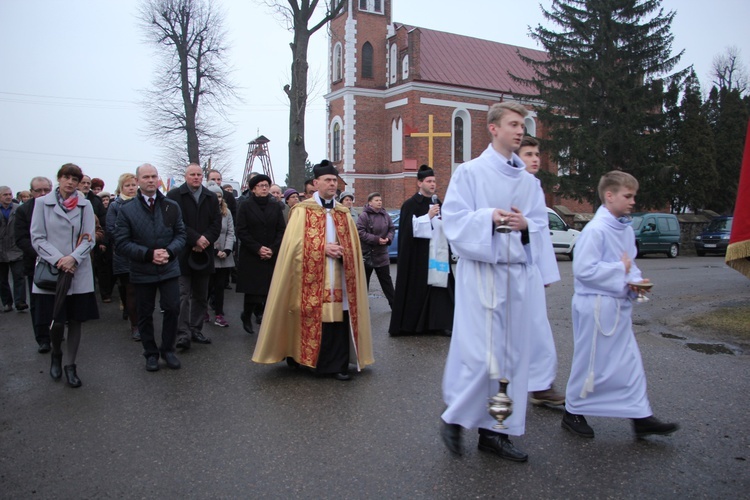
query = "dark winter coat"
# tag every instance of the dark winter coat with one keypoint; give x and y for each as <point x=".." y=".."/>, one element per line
<point x="23" y="236"/>
<point x="120" y="263"/>
<point x="9" y="251"/>
<point x="201" y="219"/>
<point x="138" y="232"/>
<point x="258" y="226"/>
<point x="372" y="225"/>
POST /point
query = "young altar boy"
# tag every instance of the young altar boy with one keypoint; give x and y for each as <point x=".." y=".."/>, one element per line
<point x="606" y="376"/>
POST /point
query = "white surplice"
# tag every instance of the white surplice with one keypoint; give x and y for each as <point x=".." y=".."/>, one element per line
<point x="491" y="325"/>
<point x="606" y="376"/>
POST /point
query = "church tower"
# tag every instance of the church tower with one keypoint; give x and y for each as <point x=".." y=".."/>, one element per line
<point x="357" y="72"/>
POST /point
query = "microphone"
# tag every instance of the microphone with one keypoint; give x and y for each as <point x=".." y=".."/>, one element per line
<point x="434" y="199"/>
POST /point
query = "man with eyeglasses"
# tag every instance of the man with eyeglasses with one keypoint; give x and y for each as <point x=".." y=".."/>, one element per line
<point x="39" y="186"/>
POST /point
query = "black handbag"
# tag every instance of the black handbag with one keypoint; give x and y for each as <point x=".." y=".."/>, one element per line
<point x="45" y="275"/>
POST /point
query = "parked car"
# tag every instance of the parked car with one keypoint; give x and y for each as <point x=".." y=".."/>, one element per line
<point x="657" y="233"/>
<point x="715" y="237"/>
<point x="393" y="247"/>
<point x="563" y="236"/>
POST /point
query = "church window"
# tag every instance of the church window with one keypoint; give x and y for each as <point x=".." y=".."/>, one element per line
<point x="461" y="136"/>
<point x="397" y="140"/>
<point x="336" y="142"/>
<point x="375" y="6"/>
<point x="367" y="60"/>
<point x="530" y="125"/>
<point x="337" y="63"/>
<point x="393" y="62"/>
<point x="405" y="67"/>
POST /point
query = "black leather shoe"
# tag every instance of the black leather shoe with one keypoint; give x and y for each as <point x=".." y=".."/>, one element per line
<point x="171" y="360"/>
<point x="44" y="347"/>
<point x="183" y="343"/>
<point x="343" y="376"/>
<point x="247" y="323"/>
<point x="500" y="445"/>
<point x="451" y="436"/>
<point x="135" y="335"/>
<point x="72" y="376"/>
<point x="152" y="364"/>
<point x="577" y="425"/>
<point x="259" y="319"/>
<point x="291" y="363"/>
<point x="55" y="369"/>
<point x="652" y="425"/>
<point x="22" y="306"/>
<point x="199" y="338"/>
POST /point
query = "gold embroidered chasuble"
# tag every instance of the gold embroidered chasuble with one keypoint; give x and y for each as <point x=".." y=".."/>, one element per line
<point x="307" y="291"/>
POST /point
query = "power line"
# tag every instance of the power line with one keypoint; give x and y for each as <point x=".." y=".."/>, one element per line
<point x="65" y="155"/>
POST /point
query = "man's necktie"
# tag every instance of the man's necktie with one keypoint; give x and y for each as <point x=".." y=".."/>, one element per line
<point x="151" y="204"/>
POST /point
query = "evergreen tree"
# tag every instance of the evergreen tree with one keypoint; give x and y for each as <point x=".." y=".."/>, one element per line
<point x="602" y="83"/>
<point x="672" y="120"/>
<point x="696" y="175"/>
<point x="731" y="127"/>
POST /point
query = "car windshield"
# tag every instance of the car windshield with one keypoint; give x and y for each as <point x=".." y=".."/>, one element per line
<point x="637" y="222"/>
<point x="720" y="226"/>
<point x="395" y="216"/>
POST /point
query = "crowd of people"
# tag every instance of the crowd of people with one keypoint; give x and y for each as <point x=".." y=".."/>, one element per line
<point x="474" y="267"/>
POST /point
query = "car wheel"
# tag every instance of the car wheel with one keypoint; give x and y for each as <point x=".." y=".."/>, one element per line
<point x="674" y="251"/>
<point x="637" y="250"/>
<point x="571" y="253"/>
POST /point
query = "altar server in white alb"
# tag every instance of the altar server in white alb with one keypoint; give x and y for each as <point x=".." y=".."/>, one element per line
<point x="542" y="353"/>
<point x="493" y="278"/>
<point x="607" y="377"/>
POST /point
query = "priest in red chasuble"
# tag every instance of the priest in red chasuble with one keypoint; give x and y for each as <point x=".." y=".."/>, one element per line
<point x="317" y="314"/>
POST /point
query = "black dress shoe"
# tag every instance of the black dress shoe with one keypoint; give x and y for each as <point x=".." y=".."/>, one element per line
<point x="343" y="376"/>
<point x="183" y="343"/>
<point x="171" y="360"/>
<point x="72" y="376"/>
<point x="291" y="363"/>
<point x="500" y="445"/>
<point x="152" y="363"/>
<point x="55" y="369"/>
<point x="135" y="334"/>
<point x="577" y="425"/>
<point x="451" y="436"/>
<point x="259" y="318"/>
<point x="44" y="347"/>
<point x="652" y="425"/>
<point x="199" y="338"/>
<point x="247" y="323"/>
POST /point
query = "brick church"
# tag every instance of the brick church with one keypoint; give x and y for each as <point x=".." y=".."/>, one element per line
<point x="402" y="96"/>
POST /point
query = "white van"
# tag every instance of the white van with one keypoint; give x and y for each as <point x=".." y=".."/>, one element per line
<point x="563" y="236"/>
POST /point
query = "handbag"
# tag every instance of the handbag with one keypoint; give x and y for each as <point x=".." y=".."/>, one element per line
<point x="438" y="267"/>
<point x="367" y="255"/>
<point x="45" y="275"/>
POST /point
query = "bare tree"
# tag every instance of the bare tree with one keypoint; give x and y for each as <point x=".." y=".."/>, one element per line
<point x="186" y="108"/>
<point x="728" y="72"/>
<point x="297" y="15"/>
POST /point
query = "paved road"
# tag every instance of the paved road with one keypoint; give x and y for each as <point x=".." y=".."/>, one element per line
<point x="224" y="427"/>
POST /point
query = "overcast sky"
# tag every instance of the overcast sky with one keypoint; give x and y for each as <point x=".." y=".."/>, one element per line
<point x="72" y="71"/>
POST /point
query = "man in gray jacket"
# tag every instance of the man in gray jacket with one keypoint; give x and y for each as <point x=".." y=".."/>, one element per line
<point x="150" y="232"/>
<point x="11" y="257"/>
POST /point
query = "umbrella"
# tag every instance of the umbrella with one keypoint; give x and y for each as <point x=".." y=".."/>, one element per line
<point x="64" y="281"/>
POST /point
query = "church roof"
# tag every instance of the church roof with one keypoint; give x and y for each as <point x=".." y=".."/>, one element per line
<point x="471" y="62"/>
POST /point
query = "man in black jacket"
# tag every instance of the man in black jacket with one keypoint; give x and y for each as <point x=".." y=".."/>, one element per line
<point x="40" y="186"/>
<point x="200" y="212"/>
<point x="150" y="232"/>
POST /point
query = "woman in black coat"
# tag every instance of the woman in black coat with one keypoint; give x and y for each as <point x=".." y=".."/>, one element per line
<point x="260" y="229"/>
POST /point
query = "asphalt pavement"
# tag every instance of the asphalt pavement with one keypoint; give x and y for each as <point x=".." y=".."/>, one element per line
<point x="224" y="427"/>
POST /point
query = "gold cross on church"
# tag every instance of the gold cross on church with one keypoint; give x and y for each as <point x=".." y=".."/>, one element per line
<point x="430" y="135"/>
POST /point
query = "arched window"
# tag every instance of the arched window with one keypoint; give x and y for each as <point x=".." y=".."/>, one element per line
<point x="371" y="6"/>
<point x="461" y="136"/>
<point x="530" y="125"/>
<point x="336" y="142"/>
<point x="337" y="63"/>
<point x="367" y="60"/>
<point x="397" y="140"/>
<point x="405" y="67"/>
<point x="393" y="63"/>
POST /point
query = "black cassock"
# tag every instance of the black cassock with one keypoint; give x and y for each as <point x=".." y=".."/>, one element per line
<point x="417" y="306"/>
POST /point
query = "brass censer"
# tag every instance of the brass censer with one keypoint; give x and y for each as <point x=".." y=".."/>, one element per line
<point x="500" y="406"/>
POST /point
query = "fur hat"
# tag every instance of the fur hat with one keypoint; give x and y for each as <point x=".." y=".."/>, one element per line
<point x="345" y="194"/>
<point x="257" y="180"/>
<point x="214" y="188"/>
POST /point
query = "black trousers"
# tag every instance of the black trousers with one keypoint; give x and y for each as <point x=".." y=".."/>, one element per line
<point x="169" y="300"/>
<point x="386" y="283"/>
<point x="334" y="347"/>
<point x="41" y="331"/>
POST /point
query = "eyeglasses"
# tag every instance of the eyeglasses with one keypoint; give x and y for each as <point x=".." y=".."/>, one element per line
<point x="41" y="190"/>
